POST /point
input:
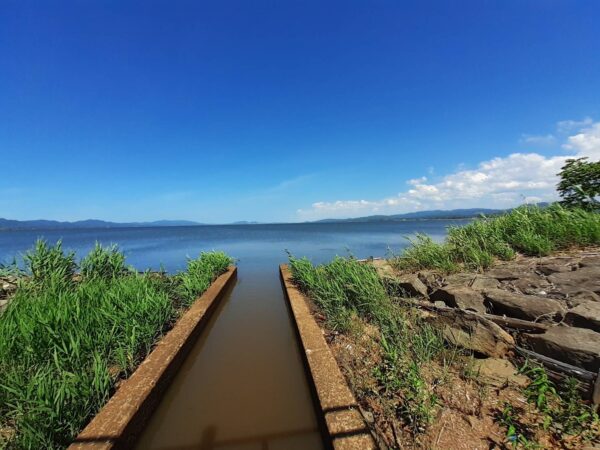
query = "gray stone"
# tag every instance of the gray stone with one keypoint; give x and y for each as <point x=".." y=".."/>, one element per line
<point x="583" y="296"/>
<point x="460" y="297"/>
<point x="531" y="284"/>
<point x="586" y="278"/>
<point x="482" y="283"/>
<point x="528" y="307"/>
<point x="410" y="285"/>
<point x="473" y="332"/>
<point x="503" y="274"/>
<point x="585" y="315"/>
<point x="577" y="346"/>
<point x="549" y="268"/>
<point x="590" y="261"/>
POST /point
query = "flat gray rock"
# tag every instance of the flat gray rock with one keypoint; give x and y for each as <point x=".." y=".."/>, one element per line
<point x="527" y="307"/>
<point x="577" y="346"/>
<point x="459" y="297"/>
<point x="587" y="278"/>
<point x="585" y="315"/>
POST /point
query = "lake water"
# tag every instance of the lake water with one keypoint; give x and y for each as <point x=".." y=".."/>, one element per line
<point x="243" y="385"/>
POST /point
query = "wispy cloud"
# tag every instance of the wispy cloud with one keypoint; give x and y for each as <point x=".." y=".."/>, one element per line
<point x="542" y="141"/>
<point x="499" y="182"/>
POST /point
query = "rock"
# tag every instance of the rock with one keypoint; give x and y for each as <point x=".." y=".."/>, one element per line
<point x="583" y="296"/>
<point x="503" y="274"/>
<point x="577" y="346"/>
<point x="482" y="283"/>
<point x="439" y="304"/>
<point x="430" y="279"/>
<point x="459" y="279"/>
<point x="549" y="269"/>
<point x="473" y="332"/>
<point x="384" y="268"/>
<point x="590" y="261"/>
<point x="528" y="307"/>
<point x="531" y="284"/>
<point x="497" y="372"/>
<point x="587" y="278"/>
<point x="410" y="285"/>
<point x="586" y="315"/>
<point x="460" y="297"/>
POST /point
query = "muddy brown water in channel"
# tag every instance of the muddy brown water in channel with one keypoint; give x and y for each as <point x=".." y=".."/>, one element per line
<point x="243" y="385"/>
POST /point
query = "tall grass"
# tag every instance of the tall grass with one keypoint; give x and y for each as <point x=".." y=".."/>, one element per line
<point x="64" y="344"/>
<point x="529" y="230"/>
<point x="345" y="289"/>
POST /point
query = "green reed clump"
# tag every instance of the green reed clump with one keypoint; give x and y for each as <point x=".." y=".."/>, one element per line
<point x="200" y="274"/>
<point x="345" y="288"/>
<point x="63" y="346"/>
<point x="103" y="262"/>
<point x="530" y="230"/>
<point x="49" y="264"/>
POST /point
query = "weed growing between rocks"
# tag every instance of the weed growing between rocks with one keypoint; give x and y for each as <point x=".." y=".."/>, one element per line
<point x="66" y="340"/>
<point x="530" y="230"/>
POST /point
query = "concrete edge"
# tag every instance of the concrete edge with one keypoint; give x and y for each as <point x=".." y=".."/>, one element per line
<point x="122" y="419"/>
<point x="339" y="413"/>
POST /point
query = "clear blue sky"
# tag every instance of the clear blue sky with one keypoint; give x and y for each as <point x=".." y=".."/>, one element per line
<point x="275" y="111"/>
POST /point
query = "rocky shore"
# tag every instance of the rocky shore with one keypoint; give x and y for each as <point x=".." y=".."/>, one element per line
<point x="549" y="306"/>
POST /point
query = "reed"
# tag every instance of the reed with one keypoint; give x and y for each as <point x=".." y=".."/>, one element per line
<point x="64" y="344"/>
<point x="530" y="230"/>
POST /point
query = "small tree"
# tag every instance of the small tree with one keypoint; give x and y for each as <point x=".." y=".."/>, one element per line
<point x="580" y="184"/>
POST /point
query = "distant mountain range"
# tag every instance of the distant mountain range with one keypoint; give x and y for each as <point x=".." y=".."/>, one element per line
<point x="6" y="224"/>
<point x="423" y="215"/>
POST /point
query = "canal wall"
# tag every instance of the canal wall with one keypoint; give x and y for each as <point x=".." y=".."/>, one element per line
<point x="342" y="423"/>
<point x="121" y="420"/>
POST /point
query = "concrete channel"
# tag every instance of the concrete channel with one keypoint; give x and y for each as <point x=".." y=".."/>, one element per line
<point x="244" y="368"/>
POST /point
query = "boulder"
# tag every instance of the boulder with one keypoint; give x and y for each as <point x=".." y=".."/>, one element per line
<point x="550" y="268"/>
<point x="531" y="284"/>
<point x="503" y="274"/>
<point x="410" y="285"/>
<point x="498" y="372"/>
<point x="384" y="268"/>
<point x="590" y="261"/>
<point x="587" y="278"/>
<point x="527" y="307"/>
<point x="473" y="332"/>
<point x="583" y="296"/>
<point x="585" y="315"/>
<point x="577" y="346"/>
<point x="459" y="297"/>
<point x="483" y="283"/>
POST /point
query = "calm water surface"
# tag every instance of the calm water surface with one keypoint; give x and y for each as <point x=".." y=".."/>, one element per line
<point x="243" y="386"/>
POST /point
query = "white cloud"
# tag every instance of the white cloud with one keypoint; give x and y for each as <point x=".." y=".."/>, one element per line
<point x="497" y="183"/>
<point x="586" y="142"/>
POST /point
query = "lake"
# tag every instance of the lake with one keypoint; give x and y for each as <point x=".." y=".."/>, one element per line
<point x="256" y="247"/>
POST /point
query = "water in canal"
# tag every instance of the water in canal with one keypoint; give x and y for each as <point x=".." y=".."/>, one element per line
<point x="242" y="386"/>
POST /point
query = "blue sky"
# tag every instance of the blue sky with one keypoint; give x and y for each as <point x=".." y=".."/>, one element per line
<point x="289" y="111"/>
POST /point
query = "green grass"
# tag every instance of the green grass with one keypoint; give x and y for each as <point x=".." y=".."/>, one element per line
<point x="64" y="343"/>
<point x="529" y="230"/>
<point x="346" y="288"/>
